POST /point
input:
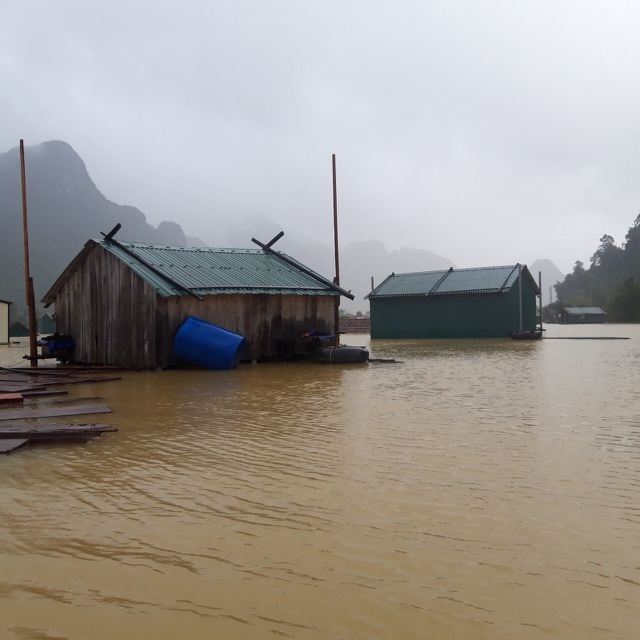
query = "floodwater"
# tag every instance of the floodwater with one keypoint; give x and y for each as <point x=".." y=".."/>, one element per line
<point x="473" y="489"/>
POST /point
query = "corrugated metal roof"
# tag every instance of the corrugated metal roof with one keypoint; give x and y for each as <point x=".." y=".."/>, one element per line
<point x="451" y="281"/>
<point x="205" y="271"/>
<point x="585" y="311"/>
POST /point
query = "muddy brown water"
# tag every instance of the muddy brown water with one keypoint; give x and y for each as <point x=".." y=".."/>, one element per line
<point x="475" y="489"/>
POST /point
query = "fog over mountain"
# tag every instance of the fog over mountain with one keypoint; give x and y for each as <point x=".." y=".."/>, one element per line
<point x="550" y="276"/>
<point x="66" y="208"/>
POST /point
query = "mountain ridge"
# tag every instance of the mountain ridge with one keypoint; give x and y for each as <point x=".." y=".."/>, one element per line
<point x="66" y="209"/>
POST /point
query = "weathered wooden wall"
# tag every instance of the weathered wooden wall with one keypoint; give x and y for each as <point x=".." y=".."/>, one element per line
<point x="116" y="318"/>
<point x="110" y="313"/>
<point x="261" y="319"/>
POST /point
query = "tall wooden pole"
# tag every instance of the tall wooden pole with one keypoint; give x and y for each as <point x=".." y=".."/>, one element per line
<point x="31" y="304"/>
<point x="335" y="242"/>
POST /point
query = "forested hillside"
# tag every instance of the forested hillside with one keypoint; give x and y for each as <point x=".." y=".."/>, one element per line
<point x="612" y="280"/>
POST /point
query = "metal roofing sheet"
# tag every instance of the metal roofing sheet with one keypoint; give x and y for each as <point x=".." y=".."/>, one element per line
<point x="585" y="310"/>
<point x="451" y="281"/>
<point x="204" y="271"/>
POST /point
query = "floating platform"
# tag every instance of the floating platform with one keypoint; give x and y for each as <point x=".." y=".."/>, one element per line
<point x="11" y="398"/>
<point x="9" y="445"/>
<point x="54" y="432"/>
<point x="24" y="404"/>
<point x="16" y="437"/>
<point x="27" y="413"/>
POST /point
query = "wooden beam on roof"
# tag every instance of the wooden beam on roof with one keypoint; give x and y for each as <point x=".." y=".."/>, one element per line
<point x="109" y="239"/>
<point x="300" y="267"/>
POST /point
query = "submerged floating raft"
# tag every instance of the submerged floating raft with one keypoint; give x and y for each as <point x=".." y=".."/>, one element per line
<point x="52" y="412"/>
<point x="9" y="445"/>
<point x="16" y="437"/>
<point x="54" y="432"/>
<point x="587" y="338"/>
<point x="22" y="407"/>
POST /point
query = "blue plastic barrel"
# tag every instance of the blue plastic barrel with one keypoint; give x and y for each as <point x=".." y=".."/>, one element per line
<point x="207" y="345"/>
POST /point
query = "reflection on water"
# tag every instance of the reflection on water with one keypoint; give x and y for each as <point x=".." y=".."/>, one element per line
<point x="475" y="489"/>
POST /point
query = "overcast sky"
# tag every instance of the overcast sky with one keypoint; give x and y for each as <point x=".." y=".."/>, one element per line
<point x="489" y="132"/>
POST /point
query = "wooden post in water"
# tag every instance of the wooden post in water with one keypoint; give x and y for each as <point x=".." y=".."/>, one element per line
<point x="31" y="304"/>
<point x="336" y="280"/>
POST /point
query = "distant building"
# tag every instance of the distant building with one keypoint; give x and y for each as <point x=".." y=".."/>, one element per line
<point x="122" y="303"/>
<point x="582" y="315"/>
<point x="355" y="325"/>
<point x="5" y="315"/>
<point x="484" y="302"/>
<point x="47" y="324"/>
<point x="18" y="330"/>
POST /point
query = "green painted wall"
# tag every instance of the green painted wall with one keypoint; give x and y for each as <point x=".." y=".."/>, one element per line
<point x="478" y="315"/>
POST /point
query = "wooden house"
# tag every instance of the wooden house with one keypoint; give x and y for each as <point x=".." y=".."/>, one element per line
<point x="484" y="302"/>
<point x="122" y="303"/>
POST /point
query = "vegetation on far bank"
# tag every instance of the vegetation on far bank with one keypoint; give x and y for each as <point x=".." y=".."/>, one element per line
<point x="612" y="281"/>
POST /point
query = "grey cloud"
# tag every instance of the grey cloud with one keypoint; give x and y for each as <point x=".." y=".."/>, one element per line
<point x="486" y="132"/>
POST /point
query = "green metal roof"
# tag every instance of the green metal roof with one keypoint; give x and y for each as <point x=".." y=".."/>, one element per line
<point x="451" y="281"/>
<point x="581" y="311"/>
<point x="180" y="271"/>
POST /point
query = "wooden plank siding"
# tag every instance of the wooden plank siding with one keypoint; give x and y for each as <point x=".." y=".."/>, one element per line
<point x="117" y="318"/>
<point x="110" y="313"/>
<point x="261" y="319"/>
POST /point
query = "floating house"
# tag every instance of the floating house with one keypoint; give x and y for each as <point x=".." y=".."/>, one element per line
<point x="5" y="314"/>
<point x="123" y="303"/>
<point x="582" y="315"/>
<point x="18" y="330"/>
<point x="47" y="324"/>
<point x="483" y="302"/>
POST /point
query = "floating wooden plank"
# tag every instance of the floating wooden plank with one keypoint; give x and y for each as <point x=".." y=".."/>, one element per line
<point x="27" y="371"/>
<point x="15" y="380"/>
<point x="51" y="412"/>
<point x="39" y="402"/>
<point x="63" y="370"/>
<point x="11" y="398"/>
<point x="13" y="444"/>
<point x="83" y="380"/>
<point x="54" y="431"/>
<point x="44" y="394"/>
<point x="586" y="338"/>
<point x="20" y="387"/>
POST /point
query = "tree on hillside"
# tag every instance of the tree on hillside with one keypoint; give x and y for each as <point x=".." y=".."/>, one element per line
<point x="573" y="290"/>
<point x="611" y="278"/>
<point x="625" y="302"/>
<point x="607" y="255"/>
<point x="631" y="260"/>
